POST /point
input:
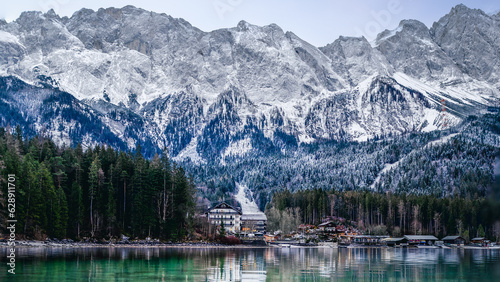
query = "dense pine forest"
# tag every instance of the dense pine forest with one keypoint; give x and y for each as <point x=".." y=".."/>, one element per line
<point x="97" y="193"/>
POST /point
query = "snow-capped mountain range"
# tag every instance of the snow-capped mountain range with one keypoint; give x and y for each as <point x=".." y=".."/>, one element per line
<point x="128" y="76"/>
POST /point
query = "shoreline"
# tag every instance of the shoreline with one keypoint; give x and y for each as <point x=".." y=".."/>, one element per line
<point x="45" y="244"/>
<point x="198" y="245"/>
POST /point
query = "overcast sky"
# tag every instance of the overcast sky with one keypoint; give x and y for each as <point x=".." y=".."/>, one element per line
<point x="317" y="21"/>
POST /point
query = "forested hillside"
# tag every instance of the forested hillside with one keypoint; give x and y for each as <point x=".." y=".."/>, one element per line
<point x="435" y="180"/>
<point x="458" y="161"/>
<point x="97" y="193"/>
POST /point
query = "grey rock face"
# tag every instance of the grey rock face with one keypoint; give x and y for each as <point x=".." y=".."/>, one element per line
<point x="471" y="38"/>
<point x="411" y="50"/>
<point x="153" y="78"/>
<point x="131" y="27"/>
<point x="355" y="59"/>
<point x="42" y="32"/>
<point x="11" y="50"/>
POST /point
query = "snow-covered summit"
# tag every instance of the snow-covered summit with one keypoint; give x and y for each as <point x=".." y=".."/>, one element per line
<point x="151" y="77"/>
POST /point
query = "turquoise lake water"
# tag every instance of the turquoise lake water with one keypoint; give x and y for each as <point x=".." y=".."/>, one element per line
<point x="271" y="264"/>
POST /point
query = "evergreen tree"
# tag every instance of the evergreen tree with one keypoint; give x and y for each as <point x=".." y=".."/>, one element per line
<point x="77" y="209"/>
<point x="110" y="206"/>
<point x="51" y="221"/>
<point x="480" y="231"/>
<point x="61" y="226"/>
<point x="96" y="179"/>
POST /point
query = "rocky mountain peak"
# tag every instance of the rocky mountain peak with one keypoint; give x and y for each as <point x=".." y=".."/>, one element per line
<point x="355" y="59"/>
<point x="470" y="38"/>
<point x="353" y="46"/>
<point x="409" y="29"/>
<point x="154" y="78"/>
<point x="51" y="14"/>
<point x="28" y="18"/>
<point x="460" y="9"/>
<point x="243" y="26"/>
<point x="132" y="27"/>
<point x="415" y="28"/>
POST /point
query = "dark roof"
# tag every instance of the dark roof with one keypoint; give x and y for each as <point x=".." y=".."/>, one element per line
<point x="225" y="205"/>
<point x="421" y="237"/>
<point x="254" y="216"/>
<point x="447" y="238"/>
<point x="371" y="236"/>
<point x="394" y="239"/>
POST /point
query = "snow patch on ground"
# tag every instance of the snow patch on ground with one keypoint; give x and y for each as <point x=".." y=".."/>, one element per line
<point x="431" y="116"/>
<point x="464" y="95"/>
<point x="358" y="132"/>
<point x="238" y="148"/>
<point x="190" y="152"/>
<point x="248" y="206"/>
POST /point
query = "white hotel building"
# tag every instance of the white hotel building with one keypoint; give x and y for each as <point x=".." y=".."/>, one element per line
<point x="230" y="215"/>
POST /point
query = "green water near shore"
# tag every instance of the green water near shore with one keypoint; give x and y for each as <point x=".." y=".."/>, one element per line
<point x="271" y="264"/>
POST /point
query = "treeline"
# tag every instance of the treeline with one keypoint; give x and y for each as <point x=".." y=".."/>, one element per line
<point x="97" y="193"/>
<point x="394" y="214"/>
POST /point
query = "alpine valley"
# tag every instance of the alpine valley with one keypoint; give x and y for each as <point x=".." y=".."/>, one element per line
<point x="260" y="106"/>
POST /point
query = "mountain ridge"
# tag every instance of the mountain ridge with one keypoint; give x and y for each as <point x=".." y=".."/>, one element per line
<point x="158" y="81"/>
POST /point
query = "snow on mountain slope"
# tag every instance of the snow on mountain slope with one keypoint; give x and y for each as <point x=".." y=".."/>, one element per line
<point x="389" y="167"/>
<point x="248" y="205"/>
<point x="158" y="81"/>
<point x="6" y="37"/>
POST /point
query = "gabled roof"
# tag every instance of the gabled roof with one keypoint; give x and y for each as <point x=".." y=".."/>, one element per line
<point x="421" y="237"/>
<point x="225" y="205"/>
<point x="326" y="223"/>
<point x="447" y="238"/>
<point x="478" y="239"/>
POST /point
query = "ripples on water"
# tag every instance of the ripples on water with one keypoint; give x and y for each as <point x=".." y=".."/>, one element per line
<point x="273" y="264"/>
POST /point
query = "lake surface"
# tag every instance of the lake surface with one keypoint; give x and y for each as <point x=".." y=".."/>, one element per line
<point x="271" y="264"/>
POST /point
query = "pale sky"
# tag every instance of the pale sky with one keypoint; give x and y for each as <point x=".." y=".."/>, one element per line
<point x="317" y="21"/>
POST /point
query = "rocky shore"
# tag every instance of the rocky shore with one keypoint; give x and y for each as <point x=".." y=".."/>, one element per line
<point x="68" y="243"/>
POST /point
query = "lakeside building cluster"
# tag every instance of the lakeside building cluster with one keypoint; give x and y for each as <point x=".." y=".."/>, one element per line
<point x="235" y="221"/>
<point x="335" y="229"/>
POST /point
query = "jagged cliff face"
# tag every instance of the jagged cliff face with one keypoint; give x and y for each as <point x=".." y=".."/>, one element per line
<point x="151" y="79"/>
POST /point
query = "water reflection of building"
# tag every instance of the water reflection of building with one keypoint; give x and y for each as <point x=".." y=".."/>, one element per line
<point x="246" y="266"/>
<point x="225" y="269"/>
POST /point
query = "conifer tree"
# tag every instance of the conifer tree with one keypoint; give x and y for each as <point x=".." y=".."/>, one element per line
<point x="96" y="178"/>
